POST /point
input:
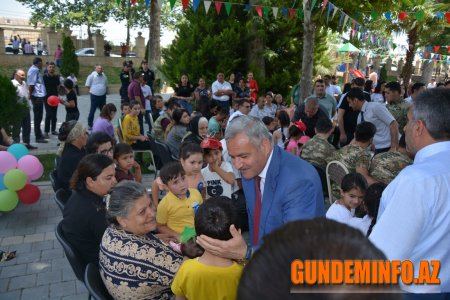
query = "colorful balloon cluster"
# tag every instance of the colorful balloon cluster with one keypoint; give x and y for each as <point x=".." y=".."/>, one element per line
<point x="17" y="170"/>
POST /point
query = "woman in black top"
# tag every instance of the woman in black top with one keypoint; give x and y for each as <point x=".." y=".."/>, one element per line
<point x="73" y="137"/>
<point x="84" y="214"/>
<point x="184" y="92"/>
<point x="71" y="104"/>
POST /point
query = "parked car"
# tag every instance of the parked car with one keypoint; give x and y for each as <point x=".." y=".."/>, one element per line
<point x="9" y="49"/>
<point x="85" y="52"/>
<point x="131" y="54"/>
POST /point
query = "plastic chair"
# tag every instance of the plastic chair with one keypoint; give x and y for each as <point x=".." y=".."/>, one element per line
<point x="335" y="172"/>
<point x="94" y="283"/>
<point x="76" y="262"/>
<point x="163" y="152"/>
<point x="61" y="197"/>
<point x="53" y="180"/>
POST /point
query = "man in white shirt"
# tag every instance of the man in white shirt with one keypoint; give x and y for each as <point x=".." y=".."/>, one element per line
<point x="416" y="88"/>
<point x="331" y="88"/>
<point x="22" y="97"/>
<point x="97" y="84"/>
<point x="386" y="136"/>
<point x="222" y="91"/>
<point x="414" y="215"/>
<point x="244" y="108"/>
<point x="148" y="94"/>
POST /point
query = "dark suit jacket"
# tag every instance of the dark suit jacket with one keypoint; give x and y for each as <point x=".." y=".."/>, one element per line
<point x="292" y="191"/>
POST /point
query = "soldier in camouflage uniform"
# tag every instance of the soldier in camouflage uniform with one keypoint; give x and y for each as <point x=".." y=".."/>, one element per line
<point x="384" y="167"/>
<point x="357" y="152"/>
<point x="395" y="104"/>
<point x="317" y="150"/>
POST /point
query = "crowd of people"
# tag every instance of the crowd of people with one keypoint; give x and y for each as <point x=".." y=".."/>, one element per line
<point x="236" y="144"/>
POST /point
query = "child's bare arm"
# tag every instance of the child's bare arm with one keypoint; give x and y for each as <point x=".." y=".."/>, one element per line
<point x="155" y="193"/>
<point x="137" y="172"/>
<point x="227" y="176"/>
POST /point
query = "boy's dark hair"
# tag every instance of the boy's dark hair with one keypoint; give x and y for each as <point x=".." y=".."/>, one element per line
<point x="124" y="104"/>
<point x="393" y="86"/>
<point x="214" y="218"/>
<point x="121" y="149"/>
<point x="353" y="181"/>
<point x="267" y="120"/>
<point x="372" y="202"/>
<point x="243" y="101"/>
<point x="96" y="139"/>
<point x="416" y="86"/>
<point x="323" y="125"/>
<point x="187" y="149"/>
<point x="171" y="171"/>
<point x="172" y="103"/>
<point x="134" y="102"/>
<point x="365" y="131"/>
<point x="359" y="81"/>
<point x="223" y="112"/>
<point x="68" y="83"/>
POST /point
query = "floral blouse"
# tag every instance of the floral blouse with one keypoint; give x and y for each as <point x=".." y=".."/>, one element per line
<point x="136" y="267"/>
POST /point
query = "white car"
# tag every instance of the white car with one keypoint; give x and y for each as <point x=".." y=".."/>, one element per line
<point x="85" y="52"/>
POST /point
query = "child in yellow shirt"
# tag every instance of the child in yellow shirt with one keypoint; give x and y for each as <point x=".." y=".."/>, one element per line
<point x="176" y="209"/>
<point x="210" y="276"/>
<point x="131" y="131"/>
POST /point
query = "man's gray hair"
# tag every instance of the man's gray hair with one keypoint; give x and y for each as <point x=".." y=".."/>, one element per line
<point x="253" y="128"/>
<point x="313" y="101"/>
<point x="122" y="198"/>
<point x="433" y="108"/>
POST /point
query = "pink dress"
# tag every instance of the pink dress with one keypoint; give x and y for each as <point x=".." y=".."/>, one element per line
<point x="293" y="144"/>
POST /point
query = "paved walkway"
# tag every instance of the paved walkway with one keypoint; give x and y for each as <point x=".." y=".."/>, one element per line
<point x="41" y="270"/>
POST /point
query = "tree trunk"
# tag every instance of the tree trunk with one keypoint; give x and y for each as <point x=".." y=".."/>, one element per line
<point x="427" y="71"/>
<point x="308" y="52"/>
<point x="408" y="69"/>
<point x="128" y="22"/>
<point x="154" y="49"/>
<point x="89" y="33"/>
<point x="255" y="57"/>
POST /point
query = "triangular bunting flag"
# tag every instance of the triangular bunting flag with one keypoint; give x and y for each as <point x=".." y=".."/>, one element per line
<point x="228" y="7"/>
<point x="300" y="14"/>
<point x="185" y="4"/>
<point x="439" y="15"/>
<point x="266" y="11"/>
<point x="118" y="2"/>
<point x="275" y="12"/>
<point x="447" y="16"/>
<point x="218" y="5"/>
<point x="341" y="19"/>
<point x="172" y="3"/>
<point x="387" y="15"/>
<point x="291" y="12"/>
<point x="375" y="15"/>
<point x="436" y="48"/>
<point x="196" y="3"/>
<point x="334" y="11"/>
<point x="345" y="22"/>
<point x="324" y="4"/>
<point x="313" y="4"/>
<point x="402" y="15"/>
<point x="207" y="6"/>
<point x="284" y="11"/>
<point x="330" y="7"/>
<point x="147" y="3"/>
<point x="247" y="7"/>
<point x="448" y="47"/>
<point x="133" y="2"/>
<point x="419" y="15"/>
<point x="429" y="48"/>
<point x="258" y="9"/>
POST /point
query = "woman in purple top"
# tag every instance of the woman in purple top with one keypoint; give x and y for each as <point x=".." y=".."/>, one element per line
<point x="103" y="123"/>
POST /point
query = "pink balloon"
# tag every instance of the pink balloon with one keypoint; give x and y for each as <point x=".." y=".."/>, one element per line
<point x="30" y="165"/>
<point x="38" y="173"/>
<point x="7" y="162"/>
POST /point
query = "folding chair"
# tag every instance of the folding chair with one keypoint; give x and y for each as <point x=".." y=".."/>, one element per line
<point x="94" y="283"/>
<point x="335" y="171"/>
<point x="61" y="197"/>
<point x="53" y="180"/>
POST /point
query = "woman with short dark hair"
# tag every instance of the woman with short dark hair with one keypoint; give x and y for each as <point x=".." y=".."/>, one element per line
<point x="84" y="214"/>
<point x="103" y="123"/>
<point x="130" y="253"/>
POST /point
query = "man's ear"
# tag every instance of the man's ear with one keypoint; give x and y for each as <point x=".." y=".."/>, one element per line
<point x="419" y="128"/>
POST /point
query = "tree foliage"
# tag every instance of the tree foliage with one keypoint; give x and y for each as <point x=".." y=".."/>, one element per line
<point x="70" y="62"/>
<point x="12" y="111"/>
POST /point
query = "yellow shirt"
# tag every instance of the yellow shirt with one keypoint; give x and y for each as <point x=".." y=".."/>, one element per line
<point x="178" y="213"/>
<point x="130" y="127"/>
<point x="197" y="281"/>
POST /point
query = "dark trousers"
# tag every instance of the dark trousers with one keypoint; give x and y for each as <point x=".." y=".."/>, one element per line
<point x="147" y="119"/>
<point x="72" y="116"/>
<point x="50" y="117"/>
<point x="77" y="90"/>
<point x="26" y="129"/>
<point x="141" y="122"/>
<point x="381" y="150"/>
<point x="223" y="104"/>
<point x="96" y="102"/>
<point x="140" y="145"/>
<point x="38" y="111"/>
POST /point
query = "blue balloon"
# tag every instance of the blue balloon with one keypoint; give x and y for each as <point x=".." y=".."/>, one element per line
<point x="18" y="150"/>
<point x="2" y="185"/>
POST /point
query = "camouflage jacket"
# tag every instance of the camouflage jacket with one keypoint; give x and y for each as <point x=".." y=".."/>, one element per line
<point x="352" y="156"/>
<point x="399" y="111"/>
<point x="386" y="166"/>
<point x="318" y="151"/>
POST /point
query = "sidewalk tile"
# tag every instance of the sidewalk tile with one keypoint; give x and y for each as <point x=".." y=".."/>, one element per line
<point x="22" y="282"/>
<point x="39" y="292"/>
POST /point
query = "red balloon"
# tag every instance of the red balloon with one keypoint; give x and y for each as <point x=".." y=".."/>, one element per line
<point x="29" y="194"/>
<point x="53" y="101"/>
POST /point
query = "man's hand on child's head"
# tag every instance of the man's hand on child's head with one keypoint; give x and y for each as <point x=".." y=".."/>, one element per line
<point x="235" y="248"/>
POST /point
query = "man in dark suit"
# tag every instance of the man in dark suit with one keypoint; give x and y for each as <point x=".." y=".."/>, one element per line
<point x="279" y="187"/>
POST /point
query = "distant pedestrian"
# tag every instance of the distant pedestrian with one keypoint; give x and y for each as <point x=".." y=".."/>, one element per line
<point x="97" y="83"/>
<point x="58" y="56"/>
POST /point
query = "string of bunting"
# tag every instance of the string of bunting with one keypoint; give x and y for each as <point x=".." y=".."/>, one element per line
<point x="436" y="48"/>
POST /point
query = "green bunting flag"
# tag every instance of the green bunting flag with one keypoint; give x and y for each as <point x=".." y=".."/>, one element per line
<point x="375" y="15"/>
<point x="420" y="15"/>
<point x="118" y="2"/>
<point x="300" y="14"/>
<point x="172" y="3"/>
<point x="313" y="4"/>
<point x="266" y="11"/>
<point x="228" y="7"/>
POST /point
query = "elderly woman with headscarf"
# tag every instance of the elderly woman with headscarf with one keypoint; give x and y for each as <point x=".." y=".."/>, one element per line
<point x="84" y="220"/>
<point x="134" y="263"/>
<point x="73" y="137"/>
<point x="196" y="130"/>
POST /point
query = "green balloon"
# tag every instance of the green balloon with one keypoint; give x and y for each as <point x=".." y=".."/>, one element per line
<point x="15" y="179"/>
<point x="8" y="200"/>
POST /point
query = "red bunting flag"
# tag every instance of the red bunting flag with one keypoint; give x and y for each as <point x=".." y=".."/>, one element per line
<point x="447" y="16"/>
<point x="258" y="9"/>
<point x="185" y="4"/>
<point x="291" y="12"/>
<point x="402" y="15"/>
<point x="324" y="4"/>
<point x="448" y="47"/>
<point x="133" y="2"/>
<point x="436" y="48"/>
<point x="426" y="54"/>
<point x="218" y="7"/>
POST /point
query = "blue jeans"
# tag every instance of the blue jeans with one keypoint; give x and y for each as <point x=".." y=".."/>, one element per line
<point x="96" y="102"/>
<point x="223" y="104"/>
<point x="186" y="105"/>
